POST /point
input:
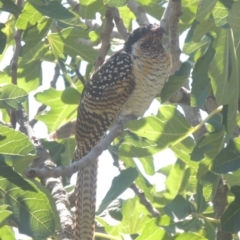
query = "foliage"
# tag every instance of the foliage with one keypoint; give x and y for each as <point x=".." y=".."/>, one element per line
<point x="50" y="32"/>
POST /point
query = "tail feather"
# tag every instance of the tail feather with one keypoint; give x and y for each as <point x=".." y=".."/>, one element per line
<point x="86" y="201"/>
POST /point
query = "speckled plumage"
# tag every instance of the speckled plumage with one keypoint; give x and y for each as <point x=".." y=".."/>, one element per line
<point x="125" y="84"/>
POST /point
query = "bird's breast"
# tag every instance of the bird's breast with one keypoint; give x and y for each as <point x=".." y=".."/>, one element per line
<point x="150" y="76"/>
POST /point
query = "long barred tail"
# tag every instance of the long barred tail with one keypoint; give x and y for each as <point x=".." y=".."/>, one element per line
<point x="86" y="203"/>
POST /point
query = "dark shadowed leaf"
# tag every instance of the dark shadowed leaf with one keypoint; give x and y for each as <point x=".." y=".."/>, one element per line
<point x="228" y="159"/>
<point x="173" y="210"/>
<point x="9" y="6"/>
<point x="175" y="82"/>
<point x="230" y="220"/>
<point x="201" y="85"/>
<point x="53" y="9"/>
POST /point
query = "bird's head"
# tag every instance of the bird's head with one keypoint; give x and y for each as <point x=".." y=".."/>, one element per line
<point x="147" y="38"/>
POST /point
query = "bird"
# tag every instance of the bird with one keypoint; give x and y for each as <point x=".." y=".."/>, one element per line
<point x="124" y="85"/>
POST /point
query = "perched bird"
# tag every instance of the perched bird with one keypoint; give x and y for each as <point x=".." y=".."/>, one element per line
<point x="126" y="84"/>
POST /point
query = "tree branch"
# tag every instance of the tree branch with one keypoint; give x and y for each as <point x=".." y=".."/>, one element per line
<point x="81" y="163"/>
<point x="106" y="38"/>
<point x="54" y="185"/>
<point x="139" y="12"/>
<point x="169" y="22"/>
<point x="119" y="23"/>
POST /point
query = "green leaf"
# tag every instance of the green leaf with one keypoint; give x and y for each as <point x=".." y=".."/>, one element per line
<point x="234" y="17"/>
<point x="27" y="203"/>
<point x="175" y="82"/>
<point x="88" y="8"/>
<point x="71" y="96"/>
<point x="119" y="185"/>
<point x="14" y="142"/>
<point x="189" y="236"/>
<point x="11" y="96"/>
<point x="9" y="6"/>
<point x="203" y="28"/>
<point x="230" y="220"/>
<point x="135" y="216"/>
<point x="4" y="214"/>
<point x="228" y="159"/>
<point x="173" y="210"/>
<point x="151" y="231"/>
<point x="191" y="46"/>
<point x="135" y="146"/>
<point x="223" y="73"/>
<point x="205" y="9"/>
<point x="34" y="34"/>
<point x="29" y="76"/>
<point x="193" y="225"/>
<point x="201" y="86"/>
<point x="200" y="200"/>
<point x="52" y="9"/>
<point x="65" y="43"/>
<point x="208" y="146"/>
<point x="6" y="232"/>
<point x="29" y="15"/>
<point x="115" y="3"/>
<point x="220" y="14"/>
<point x="177" y="180"/>
<point x="127" y="16"/>
<point x="183" y="150"/>
<point x="60" y="112"/>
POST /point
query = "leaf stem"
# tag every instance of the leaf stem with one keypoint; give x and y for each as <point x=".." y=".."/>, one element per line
<point x="196" y="128"/>
<point x="106" y="236"/>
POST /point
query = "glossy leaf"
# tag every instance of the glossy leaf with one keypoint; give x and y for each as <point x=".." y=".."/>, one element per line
<point x="11" y="96"/>
<point x="59" y="114"/>
<point x="14" y="142"/>
<point x="205" y="9"/>
<point x="65" y="43"/>
<point x="27" y="203"/>
<point x="4" y="213"/>
<point x="151" y="231"/>
<point x="29" y="15"/>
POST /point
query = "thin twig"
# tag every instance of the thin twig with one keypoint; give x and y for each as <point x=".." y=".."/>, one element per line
<point x="106" y="38"/>
<point x="169" y="22"/>
<point x="119" y="23"/>
<point x="139" y="12"/>
<point x="80" y="76"/>
<point x="54" y="185"/>
<point x="81" y="163"/>
<point x="55" y="76"/>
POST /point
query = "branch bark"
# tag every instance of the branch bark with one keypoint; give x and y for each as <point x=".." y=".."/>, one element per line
<point x="106" y="38"/>
<point x="81" y="163"/>
<point x="54" y="185"/>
